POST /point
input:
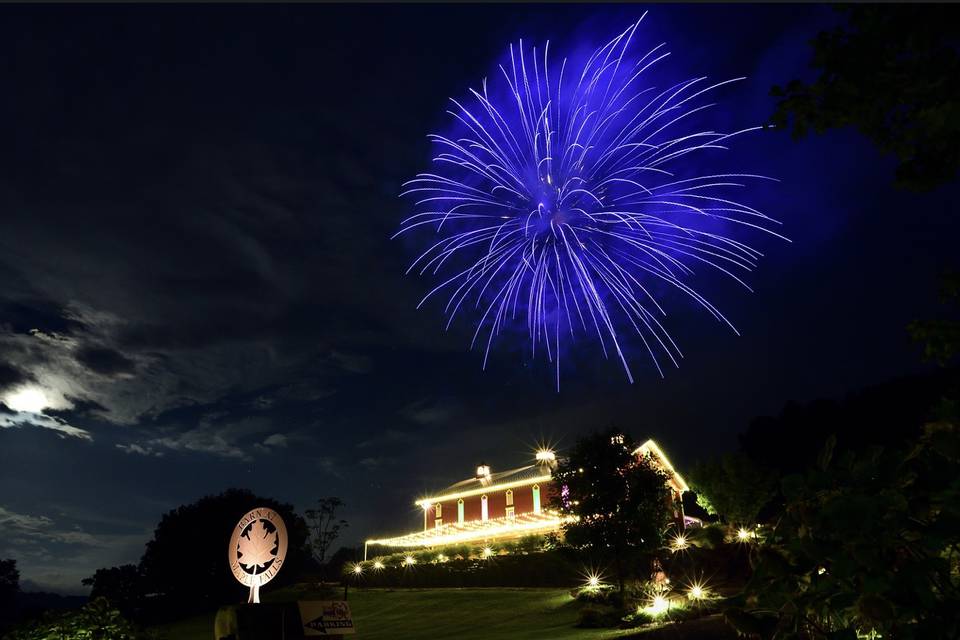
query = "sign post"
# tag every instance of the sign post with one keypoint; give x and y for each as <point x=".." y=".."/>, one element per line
<point x="257" y="549"/>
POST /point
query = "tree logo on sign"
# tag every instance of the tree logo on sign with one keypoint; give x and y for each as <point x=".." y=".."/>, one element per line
<point x="257" y="549"/>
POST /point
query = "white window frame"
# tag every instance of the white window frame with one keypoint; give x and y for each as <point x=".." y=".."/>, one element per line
<point x="509" y="496"/>
<point x="536" y="498"/>
<point x="460" y="511"/>
<point x="484" y="508"/>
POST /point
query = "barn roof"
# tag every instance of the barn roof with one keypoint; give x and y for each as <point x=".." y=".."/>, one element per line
<point x="520" y="477"/>
<point x="539" y="472"/>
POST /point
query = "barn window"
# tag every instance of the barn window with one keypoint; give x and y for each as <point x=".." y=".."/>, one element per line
<point x="439" y="513"/>
<point x="536" y="498"/>
<point x="484" y="512"/>
<point x="460" y="510"/>
<point x="510" y="513"/>
<point x="509" y="497"/>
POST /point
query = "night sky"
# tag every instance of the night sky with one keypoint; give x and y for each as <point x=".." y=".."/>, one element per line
<point x="198" y="277"/>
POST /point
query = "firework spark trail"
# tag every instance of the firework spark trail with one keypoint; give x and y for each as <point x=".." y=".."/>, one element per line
<point x="561" y="203"/>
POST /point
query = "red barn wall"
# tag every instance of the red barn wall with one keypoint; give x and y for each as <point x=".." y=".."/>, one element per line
<point x="496" y="504"/>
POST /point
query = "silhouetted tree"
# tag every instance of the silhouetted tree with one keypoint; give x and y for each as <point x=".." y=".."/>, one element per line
<point x="9" y="587"/>
<point x="123" y="586"/>
<point x="9" y="578"/>
<point x="885" y="414"/>
<point x="892" y="72"/>
<point x="324" y="526"/>
<point x="185" y="563"/>
<point x="622" y="502"/>
<point x="941" y="337"/>
<point x="342" y="557"/>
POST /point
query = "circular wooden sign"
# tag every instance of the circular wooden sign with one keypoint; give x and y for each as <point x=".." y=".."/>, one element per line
<point x="257" y="549"/>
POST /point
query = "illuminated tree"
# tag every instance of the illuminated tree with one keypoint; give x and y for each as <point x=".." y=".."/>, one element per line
<point x="733" y="487"/>
<point x="621" y="502"/>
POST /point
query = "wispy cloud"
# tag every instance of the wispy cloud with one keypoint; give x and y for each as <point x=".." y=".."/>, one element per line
<point x="40" y="529"/>
<point x="215" y="434"/>
<point x="25" y="419"/>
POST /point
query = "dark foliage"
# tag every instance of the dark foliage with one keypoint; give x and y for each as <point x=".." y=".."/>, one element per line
<point x="185" y="564"/>
<point x="869" y="542"/>
<point x="123" y="586"/>
<point x="622" y="504"/>
<point x="9" y="579"/>
<point x="941" y="337"/>
<point x="892" y="71"/>
<point x="343" y="557"/>
<point x="598" y="616"/>
<point x="9" y="588"/>
<point x="886" y="414"/>
<point x="96" y="620"/>
<point x="733" y="487"/>
<point x="556" y="568"/>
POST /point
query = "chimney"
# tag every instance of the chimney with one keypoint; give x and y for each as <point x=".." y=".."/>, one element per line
<point x="483" y="473"/>
<point x="547" y="458"/>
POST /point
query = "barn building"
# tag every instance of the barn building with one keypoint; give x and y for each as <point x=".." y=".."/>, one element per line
<point x="503" y="505"/>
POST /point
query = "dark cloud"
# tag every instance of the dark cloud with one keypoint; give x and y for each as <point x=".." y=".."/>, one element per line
<point x="25" y="314"/>
<point x="11" y="376"/>
<point x="105" y="361"/>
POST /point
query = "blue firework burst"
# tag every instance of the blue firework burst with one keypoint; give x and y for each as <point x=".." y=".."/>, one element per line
<point x="564" y="202"/>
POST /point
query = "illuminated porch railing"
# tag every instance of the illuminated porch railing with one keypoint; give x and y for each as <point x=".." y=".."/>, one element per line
<point x="493" y="529"/>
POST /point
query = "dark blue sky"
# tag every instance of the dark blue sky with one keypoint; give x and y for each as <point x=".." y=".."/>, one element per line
<point x="197" y="273"/>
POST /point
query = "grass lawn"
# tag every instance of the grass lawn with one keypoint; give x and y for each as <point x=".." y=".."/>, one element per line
<point x="463" y="614"/>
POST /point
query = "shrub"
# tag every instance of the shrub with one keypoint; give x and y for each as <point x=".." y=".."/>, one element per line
<point x="547" y="569"/>
<point x="708" y="537"/>
<point x="97" y="620"/>
<point x="530" y="544"/>
<point x="596" y="616"/>
<point x="865" y="545"/>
